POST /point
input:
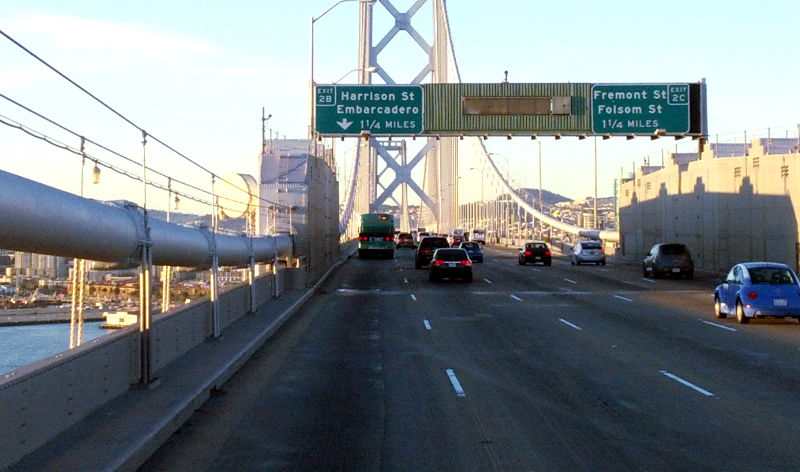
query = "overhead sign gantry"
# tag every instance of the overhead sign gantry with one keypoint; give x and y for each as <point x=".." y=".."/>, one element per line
<point x="512" y="109"/>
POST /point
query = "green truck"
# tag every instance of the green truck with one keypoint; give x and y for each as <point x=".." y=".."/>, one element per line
<point x="376" y="236"/>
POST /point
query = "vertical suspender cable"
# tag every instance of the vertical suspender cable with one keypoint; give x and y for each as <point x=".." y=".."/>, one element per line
<point x="166" y="271"/>
<point x="214" y="262"/>
<point x="251" y="276"/>
<point x="144" y="278"/>
<point x="78" y="280"/>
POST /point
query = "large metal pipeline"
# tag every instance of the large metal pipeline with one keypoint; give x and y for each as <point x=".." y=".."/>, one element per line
<point x="41" y="219"/>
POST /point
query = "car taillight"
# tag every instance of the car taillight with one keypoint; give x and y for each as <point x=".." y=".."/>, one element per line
<point x="603" y="250"/>
<point x="363" y="238"/>
<point x="387" y="238"/>
<point x="438" y="263"/>
<point x="547" y="253"/>
<point x="467" y="262"/>
<point x="752" y="295"/>
<point x="527" y="253"/>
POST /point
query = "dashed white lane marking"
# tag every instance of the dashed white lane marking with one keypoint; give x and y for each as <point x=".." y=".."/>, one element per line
<point x="516" y="297"/>
<point x="535" y="269"/>
<point x="571" y="281"/>
<point x="688" y="384"/>
<point x="648" y="280"/>
<point x="623" y="298"/>
<point x="718" y="325"/>
<point x="427" y="324"/>
<point x="405" y="281"/>
<point x="456" y="383"/>
<point x="571" y="325"/>
<point x="487" y="281"/>
<point x="413" y="297"/>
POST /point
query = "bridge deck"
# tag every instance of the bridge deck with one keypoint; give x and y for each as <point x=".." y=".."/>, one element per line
<point x="123" y="433"/>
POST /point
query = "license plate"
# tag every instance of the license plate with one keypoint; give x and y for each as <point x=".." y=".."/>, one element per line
<point x="780" y="302"/>
<point x="538" y="258"/>
<point x="452" y="264"/>
<point x="676" y="269"/>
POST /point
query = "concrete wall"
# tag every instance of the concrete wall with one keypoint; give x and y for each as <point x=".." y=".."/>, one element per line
<point x="725" y="209"/>
<point x="319" y="244"/>
<point x="40" y="400"/>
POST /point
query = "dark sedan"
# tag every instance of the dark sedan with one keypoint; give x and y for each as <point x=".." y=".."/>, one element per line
<point x="451" y="263"/>
<point x="404" y="240"/>
<point x="535" y="251"/>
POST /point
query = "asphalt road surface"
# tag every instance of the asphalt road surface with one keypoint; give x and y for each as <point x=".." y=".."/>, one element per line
<point x="561" y="368"/>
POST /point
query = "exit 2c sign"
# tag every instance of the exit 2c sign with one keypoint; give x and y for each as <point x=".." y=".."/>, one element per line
<point x="640" y="109"/>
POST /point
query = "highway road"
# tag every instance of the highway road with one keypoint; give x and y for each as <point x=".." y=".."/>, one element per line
<point x="579" y="368"/>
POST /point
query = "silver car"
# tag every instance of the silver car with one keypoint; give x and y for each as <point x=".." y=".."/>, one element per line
<point x="587" y="251"/>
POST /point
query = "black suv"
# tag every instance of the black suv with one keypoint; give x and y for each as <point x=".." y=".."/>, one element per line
<point x="427" y="245"/>
<point x="668" y="259"/>
<point x="535" y="251"/>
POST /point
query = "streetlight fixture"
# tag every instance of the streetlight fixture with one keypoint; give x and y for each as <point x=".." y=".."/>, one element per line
<point x="313" y="83"/>
<point x="369" y="70"/>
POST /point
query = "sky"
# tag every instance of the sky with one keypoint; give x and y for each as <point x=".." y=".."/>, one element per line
<point x="196" y="74"/>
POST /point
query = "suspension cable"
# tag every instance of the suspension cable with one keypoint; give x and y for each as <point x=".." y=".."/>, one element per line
<point x="124" y="118"/>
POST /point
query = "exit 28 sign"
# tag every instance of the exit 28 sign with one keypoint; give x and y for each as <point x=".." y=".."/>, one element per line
<point x="380" y="110"/>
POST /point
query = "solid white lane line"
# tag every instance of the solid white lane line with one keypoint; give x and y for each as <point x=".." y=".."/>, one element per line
<point x="570" y="324"/>
<point x="648" y="280"/>
<point x="516" y="297"/>
<point x="623" y="298"/>
<point x="571" y="281"/>
<point x="688" y="384"/>
<point x="487" y="281"/>
<point x="427" y="324"/>
<point x="413" y="297"/>
<point x="718" y="325"/>
<point x="455" y="382"/>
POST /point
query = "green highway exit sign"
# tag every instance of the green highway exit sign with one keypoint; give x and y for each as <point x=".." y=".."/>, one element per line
<point x="640" y="109"/>
<point x="380" y="110"/>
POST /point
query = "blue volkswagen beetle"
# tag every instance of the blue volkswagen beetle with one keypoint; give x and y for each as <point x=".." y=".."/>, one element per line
<point x="758" y="290"/>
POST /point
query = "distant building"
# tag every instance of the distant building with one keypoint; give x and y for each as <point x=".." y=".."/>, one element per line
<point x="40" y="266"/>
<point x="282" y="185"/>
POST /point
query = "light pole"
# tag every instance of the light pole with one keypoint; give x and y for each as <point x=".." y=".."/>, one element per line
<point x="314" y="20"/>
<point x="595" y="183"/>
<point x="478" y="220"/>
<point x="540" y="177"/>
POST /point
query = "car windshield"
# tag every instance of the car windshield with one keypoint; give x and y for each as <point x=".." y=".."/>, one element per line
<point x="771" y="275"/>
<point x="451" y="255"/>
<point x="673" y="249"/>
<point x="434" y="241"/>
